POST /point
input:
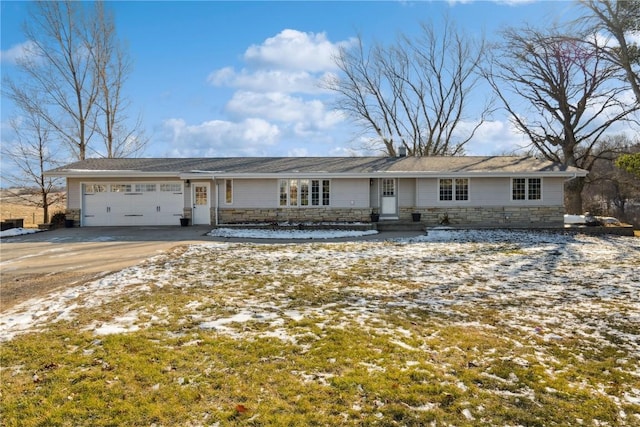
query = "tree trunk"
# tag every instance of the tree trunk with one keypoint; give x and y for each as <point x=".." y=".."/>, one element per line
<point x="573" y="196"/>
<point x="45" y="207"/>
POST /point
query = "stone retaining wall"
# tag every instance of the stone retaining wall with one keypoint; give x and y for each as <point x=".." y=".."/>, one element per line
<point x="231" y="216"/>
<point x="530" y="216"/>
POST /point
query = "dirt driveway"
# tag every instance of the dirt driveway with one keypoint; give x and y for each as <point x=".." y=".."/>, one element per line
<point x="34" y="264"/>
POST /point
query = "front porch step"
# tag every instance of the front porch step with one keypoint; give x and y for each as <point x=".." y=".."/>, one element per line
<point x="400" y="226"/>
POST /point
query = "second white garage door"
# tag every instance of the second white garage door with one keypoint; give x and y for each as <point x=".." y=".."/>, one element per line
<point x="148" y="203"/>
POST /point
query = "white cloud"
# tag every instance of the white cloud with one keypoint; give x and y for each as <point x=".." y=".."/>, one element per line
<point x="493" y="137"/>
<point x="294" y="50"/>
<point x="633" y="37"/>
<point x="14" y="53"/>
<point x="268" y="80"/>
<point x="249" y="137"/>
<point x="276" y="106"/>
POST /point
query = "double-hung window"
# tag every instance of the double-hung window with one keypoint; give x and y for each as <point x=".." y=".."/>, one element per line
<point x="304" y="192"/>
<point x="526" y="189"/>
<point x="228" y="191"/>
<point x="454" y="189"/>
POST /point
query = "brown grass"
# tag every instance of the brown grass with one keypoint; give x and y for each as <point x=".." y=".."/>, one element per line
<point x="17" y="207"/>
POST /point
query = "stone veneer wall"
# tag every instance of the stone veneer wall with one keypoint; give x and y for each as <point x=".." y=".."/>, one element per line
<point x="249" y="215"/>
<point x="508" y="216"/>
<point x="73" y="214"/>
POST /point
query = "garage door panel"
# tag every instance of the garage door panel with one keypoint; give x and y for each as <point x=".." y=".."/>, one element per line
<point x="121" y="204"/>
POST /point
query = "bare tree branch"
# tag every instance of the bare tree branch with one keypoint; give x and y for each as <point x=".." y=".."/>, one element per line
<point x="78" y="67"/>
<point x="560" y="91"/>
<point x="617" y="18"/>
<point x="31" y="153"/>
<point x="414" y="93"/>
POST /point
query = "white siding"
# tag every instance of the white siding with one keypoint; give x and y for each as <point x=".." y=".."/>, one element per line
<point x="407" y="192"/>
<point x="553" y="191"/>
<point x="374" y="194"/>
<point x="350" y="193"/>
<point x="74" y="193"/>
<point x="251" y="193"/>
<point x="489" y="192"/>
<point x="427" y="192"/>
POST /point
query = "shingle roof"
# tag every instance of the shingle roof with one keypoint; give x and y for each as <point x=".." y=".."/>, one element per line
<point x="330" y="165"/>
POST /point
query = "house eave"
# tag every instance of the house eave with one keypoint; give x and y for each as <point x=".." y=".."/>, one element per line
<point x="109" y="174"/>
<point x="310" y="174"/>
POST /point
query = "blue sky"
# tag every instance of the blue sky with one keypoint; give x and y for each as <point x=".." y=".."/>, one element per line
<point x="241" y="78"/>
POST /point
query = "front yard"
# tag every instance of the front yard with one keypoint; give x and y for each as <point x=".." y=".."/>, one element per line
<point x="454" y="328"/>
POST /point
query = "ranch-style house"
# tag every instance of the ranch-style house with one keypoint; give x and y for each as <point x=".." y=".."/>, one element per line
<point x="495" y="191"/>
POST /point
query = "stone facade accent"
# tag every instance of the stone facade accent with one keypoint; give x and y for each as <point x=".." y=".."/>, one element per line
<point x="511" y="216"/>
<point x="253" y="215"/>
<point x="75" y="215"/>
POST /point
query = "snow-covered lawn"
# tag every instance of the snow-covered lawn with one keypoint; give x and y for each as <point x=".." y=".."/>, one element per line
<point x="556" y="301"/>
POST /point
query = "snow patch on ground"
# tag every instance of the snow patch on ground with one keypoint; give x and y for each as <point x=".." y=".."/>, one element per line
<point x="247" y="233"/>
<point x="18" y="232"/>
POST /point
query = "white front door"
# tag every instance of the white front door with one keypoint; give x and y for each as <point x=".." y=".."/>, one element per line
<point x="389" y="198"/>
<point x="201" y="204"/>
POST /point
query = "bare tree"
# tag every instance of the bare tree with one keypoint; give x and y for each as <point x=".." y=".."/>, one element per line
<point x="30" y="154"/>
<point x="76" y="65"/>
<point x="112" y="67"/>
<point x="558" y="91"/>
<point x="617" y="18"/>
<point x="414" y="93"/>
<point x="57" y="67"/>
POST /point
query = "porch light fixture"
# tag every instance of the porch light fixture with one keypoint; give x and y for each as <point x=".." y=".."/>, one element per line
<point x="187" y="183"/>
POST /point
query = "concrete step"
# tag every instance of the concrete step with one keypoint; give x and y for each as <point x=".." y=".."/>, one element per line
<point x="395" y="225"/>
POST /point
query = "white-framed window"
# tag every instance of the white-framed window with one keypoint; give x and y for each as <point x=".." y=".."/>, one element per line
<point x="228" y="191"/>
<point x="145" y="188"/>
<point x="95" y="188"/>
<point x="304" y="192"/>
<point x="326" y="195"/>
<point x="121" y="188"/>
<point x="293" y="192"/>
<point x="526" y="189"/>
<point x="283" y="191"/>
<point x="171" y="187"/>
<point x="451" y="189"/>
<point x="388" y="187"/>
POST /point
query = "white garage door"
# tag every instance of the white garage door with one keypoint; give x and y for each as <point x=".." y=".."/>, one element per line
<point x="147" y="203"/>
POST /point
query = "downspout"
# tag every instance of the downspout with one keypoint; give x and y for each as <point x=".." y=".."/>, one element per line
<point x="575" y="175"/>
<point x="215" y="184"/>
